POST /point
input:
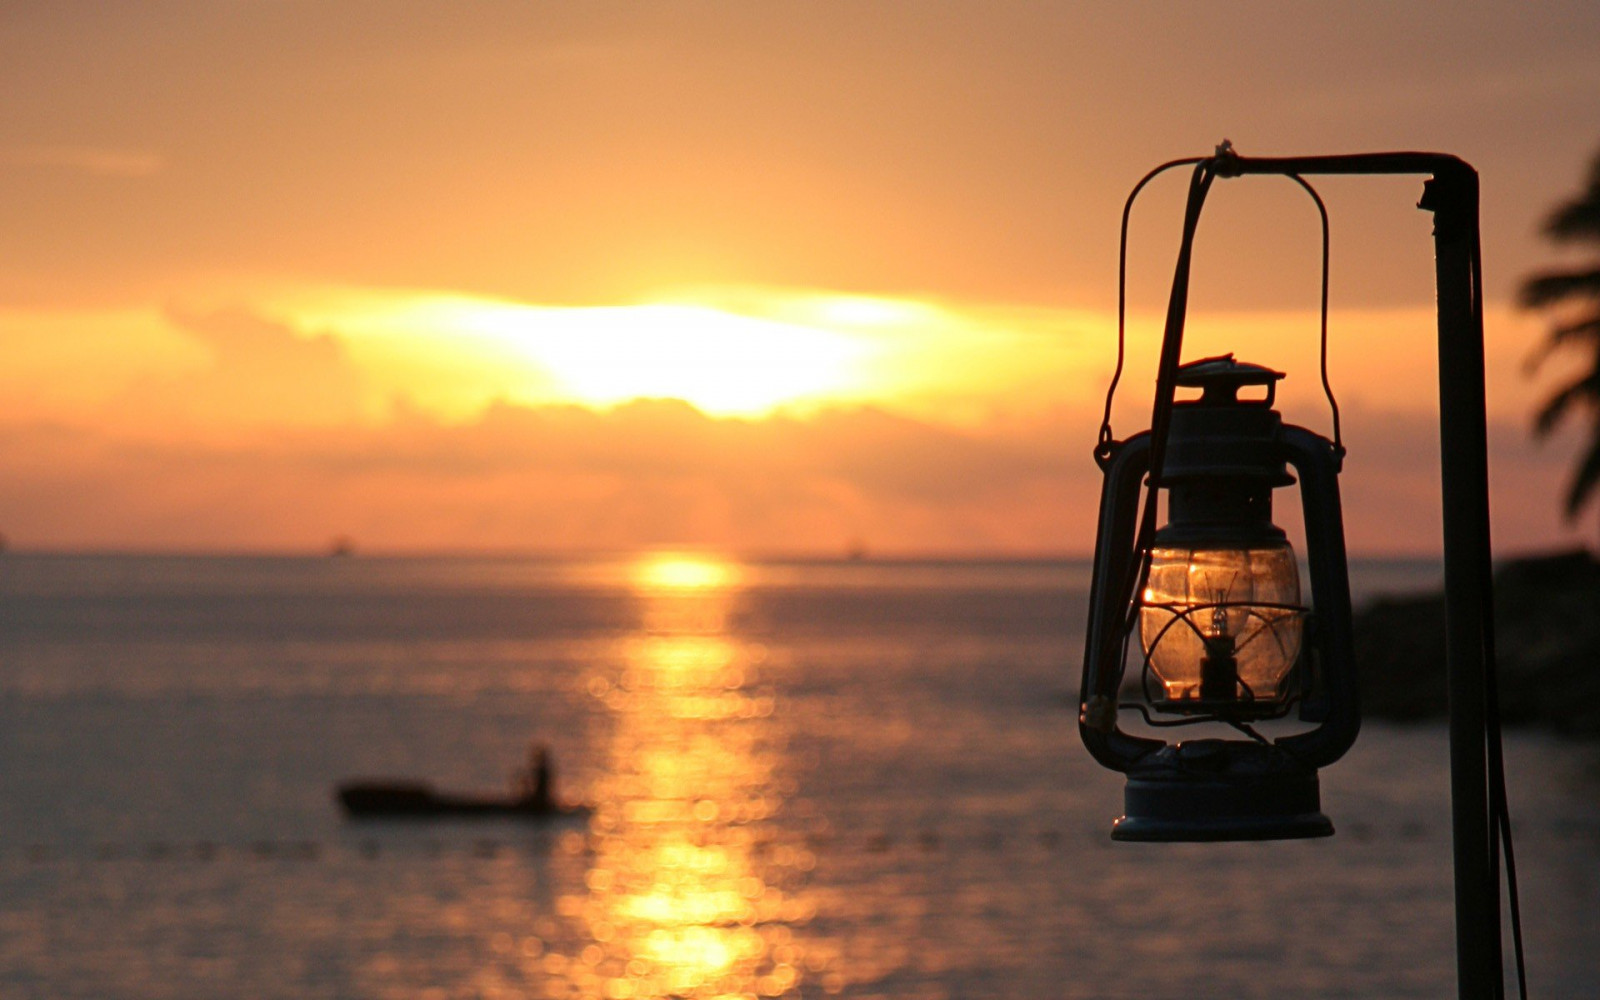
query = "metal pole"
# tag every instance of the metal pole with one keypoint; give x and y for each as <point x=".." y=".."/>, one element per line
<point x="1452" y="196"/>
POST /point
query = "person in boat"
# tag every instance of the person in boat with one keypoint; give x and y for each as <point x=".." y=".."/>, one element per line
<point x="535" y="784"/>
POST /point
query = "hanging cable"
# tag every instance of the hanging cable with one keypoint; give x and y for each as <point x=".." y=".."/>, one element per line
<point x="1499" y="806"/>
<point x="1199" y="183"/>
<point x="1166" y="388"/>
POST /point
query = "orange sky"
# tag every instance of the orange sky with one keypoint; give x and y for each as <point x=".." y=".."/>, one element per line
<point x="432" y="276"/>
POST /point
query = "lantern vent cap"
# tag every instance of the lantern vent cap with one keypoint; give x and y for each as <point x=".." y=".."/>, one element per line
<point x="1220" y="378"/>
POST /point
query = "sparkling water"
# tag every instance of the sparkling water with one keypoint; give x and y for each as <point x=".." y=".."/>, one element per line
<point x="857" y="779"/>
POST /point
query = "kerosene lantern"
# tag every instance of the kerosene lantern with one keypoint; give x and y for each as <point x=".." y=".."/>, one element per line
<point x="1217" y="578"/>
<point x="1210" y="608"/>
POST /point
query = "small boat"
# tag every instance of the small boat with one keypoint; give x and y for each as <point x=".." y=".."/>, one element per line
<point x="532" y="797"/>
<point x="416" y="800"/>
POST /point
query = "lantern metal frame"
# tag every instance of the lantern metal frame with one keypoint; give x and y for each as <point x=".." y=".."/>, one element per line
<point x="1214" y="789"/>
<point x="1479" y="817"/>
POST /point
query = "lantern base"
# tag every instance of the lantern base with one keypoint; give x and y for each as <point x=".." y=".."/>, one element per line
<point x="1168" y="807"/>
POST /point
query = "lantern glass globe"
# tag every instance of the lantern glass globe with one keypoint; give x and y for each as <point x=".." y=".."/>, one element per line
<point x="1222" y="623"/>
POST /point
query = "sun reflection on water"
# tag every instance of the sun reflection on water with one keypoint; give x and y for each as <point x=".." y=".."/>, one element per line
<point x="675" y="571"/>
<point x="688" y="894"/>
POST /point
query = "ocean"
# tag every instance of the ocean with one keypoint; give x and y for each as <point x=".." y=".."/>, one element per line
<point x="809" y="779"/>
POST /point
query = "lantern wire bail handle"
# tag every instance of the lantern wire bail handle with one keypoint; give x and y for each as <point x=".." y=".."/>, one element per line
<point x="1218" y="165"/>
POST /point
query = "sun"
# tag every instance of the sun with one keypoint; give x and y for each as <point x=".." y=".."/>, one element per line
<point x="721" y="362"/>
<point x="679" y="571"/>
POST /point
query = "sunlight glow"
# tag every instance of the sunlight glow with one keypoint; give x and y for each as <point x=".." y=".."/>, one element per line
<point x="861" y="310"/>
<point x="677" y="571"/>
<point x="721" y="362"/>
<point x="744" y="352"/>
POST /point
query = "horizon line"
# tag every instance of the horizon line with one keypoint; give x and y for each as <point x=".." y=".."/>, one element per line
<point x="356" y="551"/>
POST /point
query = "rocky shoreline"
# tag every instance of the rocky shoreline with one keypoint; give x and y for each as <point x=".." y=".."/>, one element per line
<point x="1547" y="628"/>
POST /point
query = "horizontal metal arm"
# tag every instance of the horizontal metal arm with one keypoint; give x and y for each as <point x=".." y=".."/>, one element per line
<point x="1230" y="164"/>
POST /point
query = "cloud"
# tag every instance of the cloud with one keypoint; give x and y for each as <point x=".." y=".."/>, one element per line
<point x="259" y="433"/>
<point x="100" y="161"/>
<point x="258" y="372"/>
<point x="650" y="472"/>
<point x="660" y="472"/>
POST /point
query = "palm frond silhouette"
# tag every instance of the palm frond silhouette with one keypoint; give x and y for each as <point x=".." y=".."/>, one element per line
<point x="1571" y="297"/>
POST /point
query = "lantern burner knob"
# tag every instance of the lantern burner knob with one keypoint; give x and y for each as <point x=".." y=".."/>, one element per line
<point x="1220" y="379"/>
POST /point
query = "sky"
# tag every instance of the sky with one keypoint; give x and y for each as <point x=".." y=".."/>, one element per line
<point x="772" y="278"/>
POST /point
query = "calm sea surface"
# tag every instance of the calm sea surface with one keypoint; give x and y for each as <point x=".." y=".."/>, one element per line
<point x="809" y="779"/>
